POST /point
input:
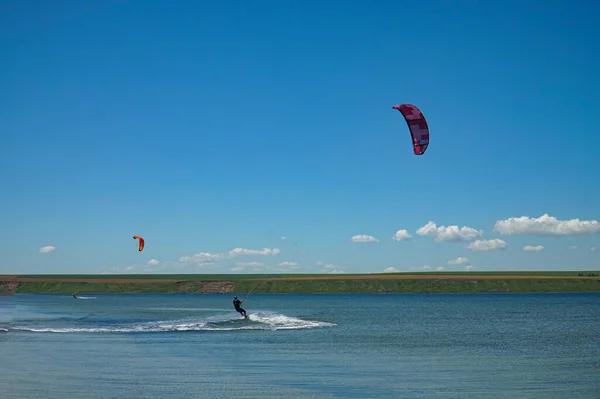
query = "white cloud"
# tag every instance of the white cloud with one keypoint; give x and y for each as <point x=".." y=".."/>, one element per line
<point x="333" y="269"/>
<point x="249" y="264"/>
<point x="283" y="267"/>
<point x="207" y="258"/>
<point x="391" y="269"/>
<point x="402" y="235"/>
<point x="200" y="259"/>
<point x="255" y="266"/>
<point x="546" y="225"/>
<point x="590" y="247"/>
<point x="364" y="238"/>
<point x="425" y="267"/>
<point x="469" y="268"/>
<point x="135" y="269"/>
<point x="319" y="263"/>
<point x="243" y="251"/>
<point x="459" y="261"/>
<point x="282" y="237"/>
<point x="533" y="248"/>
<point x="47" y="249"/>
<point x="487" y="245"/>
<point x="337" y="271"/>
<point x="441" y="268"/>
<point x="291" y="265"/>
<point x="449" y="233"/>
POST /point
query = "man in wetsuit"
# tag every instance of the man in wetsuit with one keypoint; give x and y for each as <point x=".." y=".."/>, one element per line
<point x="236" y="305"/>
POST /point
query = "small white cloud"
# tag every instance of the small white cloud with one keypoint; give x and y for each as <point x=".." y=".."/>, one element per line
<point x="402" y="235"/>
<point x="469" y="268"/>
<point x="337" y="271"/>
<point x="459" y="261"/>
<point x="47" y="249"/>
<point x="243" y="251"/>
<point x="291" y="265"/>
<point x="282" y="237"/>
<point x="590" y="247"/>
<point x="135" y="269"/>
<point x="237" y="269"/>
<point x="200" y="259"/>
<point x="425" y="267"/>
<point x="249" y="264"/>
<point x="319" y="263"/>
<point x="153" y="262"/>
<point x="487" y="245"/>
<point x="364" y="238"/>
<point x="441" y="268"/>
<point x="208" y="258"/>
<point x="449" y="233"/>
<point x="546" y="225"/>
<point x="533" y="248"/>
<point x="333" y="269"/>
<point x="391" y="269"/>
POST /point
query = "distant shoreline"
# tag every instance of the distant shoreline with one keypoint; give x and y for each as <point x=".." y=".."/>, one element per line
<point x="426" y="282"/>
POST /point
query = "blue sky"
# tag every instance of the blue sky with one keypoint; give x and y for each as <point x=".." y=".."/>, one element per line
<point x="210" y="127"/>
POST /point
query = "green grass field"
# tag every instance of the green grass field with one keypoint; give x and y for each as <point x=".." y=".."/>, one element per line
<point x="327" y="287"/>
<point x="290" y="275"/>
<point x="166" y="276"/>
<point x="504" y="282"/>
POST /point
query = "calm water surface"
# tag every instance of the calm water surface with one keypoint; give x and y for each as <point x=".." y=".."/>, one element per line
<point x="300" y="346"/>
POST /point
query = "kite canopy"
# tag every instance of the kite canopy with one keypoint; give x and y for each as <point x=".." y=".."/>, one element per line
<point x="417" y="125"/>
<point x="141" y="242"/>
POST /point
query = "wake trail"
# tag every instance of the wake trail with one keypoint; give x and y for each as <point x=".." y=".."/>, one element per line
<point x="270" y="321"/>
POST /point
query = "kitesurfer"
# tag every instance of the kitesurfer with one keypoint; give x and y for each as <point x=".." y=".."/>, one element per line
<point x="74" y="297"/>
<point x="236" y="305"/>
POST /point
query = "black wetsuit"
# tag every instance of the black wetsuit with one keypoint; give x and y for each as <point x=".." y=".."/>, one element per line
<point x="236" y="305"/>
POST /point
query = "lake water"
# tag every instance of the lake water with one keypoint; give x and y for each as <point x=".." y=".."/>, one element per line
<point x="301" y="346"/>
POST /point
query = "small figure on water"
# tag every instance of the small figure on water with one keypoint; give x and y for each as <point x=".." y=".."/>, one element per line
<point x="74" y="296"/>
<point x="236" y="305"/>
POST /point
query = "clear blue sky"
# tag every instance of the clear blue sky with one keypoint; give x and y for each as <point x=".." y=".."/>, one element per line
<point x="206" y="128"/>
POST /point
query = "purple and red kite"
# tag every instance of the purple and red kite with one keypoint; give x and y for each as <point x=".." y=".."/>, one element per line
<point x="417" y="125"/>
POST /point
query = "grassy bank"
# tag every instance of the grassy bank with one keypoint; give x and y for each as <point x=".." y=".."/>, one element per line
<point x="296" y="275"/>
<point x="414" y="283"/>
<point x="422" y="286"/>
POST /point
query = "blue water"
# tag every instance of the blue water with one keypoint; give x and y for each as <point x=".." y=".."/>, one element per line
<point x="300" y="346"/>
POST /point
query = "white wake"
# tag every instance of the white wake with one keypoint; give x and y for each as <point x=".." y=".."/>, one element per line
<point x="222" y="322"/>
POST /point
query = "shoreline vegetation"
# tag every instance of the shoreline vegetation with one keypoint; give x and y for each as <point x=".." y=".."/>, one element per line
<point x="422" y="282"/>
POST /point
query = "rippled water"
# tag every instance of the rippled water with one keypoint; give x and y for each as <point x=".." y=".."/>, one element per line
<point x="300" y="346"/>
